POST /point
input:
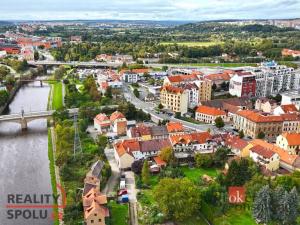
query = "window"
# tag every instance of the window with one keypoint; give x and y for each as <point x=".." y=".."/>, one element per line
<point x="99" y="220"/>
<point x="92" y="221"/>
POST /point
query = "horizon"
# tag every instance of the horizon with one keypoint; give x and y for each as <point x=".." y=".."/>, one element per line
<point x="154" y="10"/>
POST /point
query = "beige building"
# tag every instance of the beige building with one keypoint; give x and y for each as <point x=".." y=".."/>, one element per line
<point x="290" y="142"/>
<point x="252" y="123"/>
<point x="205" y="87"/>
<point x="265" y="157"/>
<point x="266" y="105"/>
<point x="208" y="114"/>
<point x="174" y="99"/>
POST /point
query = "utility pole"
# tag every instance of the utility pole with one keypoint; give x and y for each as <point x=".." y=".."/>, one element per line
<point x="77" y="142"/>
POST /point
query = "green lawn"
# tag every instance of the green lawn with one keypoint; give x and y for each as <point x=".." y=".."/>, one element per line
<point x="194" y="174"/>
<point x="193" y="221"/>
<point x="57" y="101"/>
<point x="193" y="44"/>
<point x="52" y="173"/>
<point x="119" y="213"/>
<point x="235" y="217"/>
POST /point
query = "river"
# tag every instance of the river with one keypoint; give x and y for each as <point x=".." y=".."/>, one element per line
<point x="24" y="164"/>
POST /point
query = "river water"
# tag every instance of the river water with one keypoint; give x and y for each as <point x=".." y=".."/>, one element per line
<point x="24" y="164"/>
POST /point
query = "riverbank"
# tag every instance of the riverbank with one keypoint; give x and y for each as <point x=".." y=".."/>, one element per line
<point x="12" y="94"/>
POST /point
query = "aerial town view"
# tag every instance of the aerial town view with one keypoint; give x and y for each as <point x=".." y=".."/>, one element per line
<point x="150" y="112"/>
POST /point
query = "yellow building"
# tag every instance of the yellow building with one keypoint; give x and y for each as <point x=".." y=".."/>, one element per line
<point x="174" y="99"/>
<point x="205" y="87"/>
<point x="290" y="142"/>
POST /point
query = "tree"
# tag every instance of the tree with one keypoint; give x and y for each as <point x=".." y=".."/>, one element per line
<point x="221" y="156"/>
<point x="240" y="171"/>
<point x="136" y="93"/>
<point x="254" y="185"/>
<point x="102" y="141"/>
<point x="108" y="92"/>
<point x="160" y="106"/>
<point x="36" y="55"/>
<point x="262" y="205"/>
<point x="214" y="87"/>
<point x="177" y="198"/>
<point x="219" y="122"/>
<point x="241" y="134"/>
<point x="137" y="166"/>
<point x="261" y="135"/>
<point x="4" y="95"/>
<point x="167" y="154"/>
<point x="145" y="173"/>
<point x="178" y="115"/>
<point x="203" y="160"/>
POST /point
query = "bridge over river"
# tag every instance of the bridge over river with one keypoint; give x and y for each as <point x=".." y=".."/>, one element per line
<point x="24" y="118"/>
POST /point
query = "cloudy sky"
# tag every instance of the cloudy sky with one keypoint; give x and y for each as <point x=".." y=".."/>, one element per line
<point x="148" y="9"/>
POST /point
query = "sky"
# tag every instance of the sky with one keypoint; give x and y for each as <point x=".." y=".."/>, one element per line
<point x="193" y="10"/>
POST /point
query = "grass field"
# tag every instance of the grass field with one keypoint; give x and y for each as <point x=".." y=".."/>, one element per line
<point x="235" y="217"/>
<point x="193" y="44"/>
<point x="52" y="173"/>
<point x="57" y="102"/>
<point x="119" y="213"/>
<point x="195" y="174"/>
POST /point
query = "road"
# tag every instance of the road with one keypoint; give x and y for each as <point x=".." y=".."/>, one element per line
<point x="115" y="172"/>
<point x="148" y="107"/>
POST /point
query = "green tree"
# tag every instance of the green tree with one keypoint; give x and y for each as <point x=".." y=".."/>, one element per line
<point x="203" y="160"/>
<point x="262" y="205"/>
<point x="108" y="92"/>
<point x="102" y="141"/>
<point x="167" y="155"/>
<point x="36" y="55"/>
<point x="136" y="93"/>
<point x="261" y="135"/>
<point x="4" y="95"/>
<point x="221" y="156"/>
<point x="145" y="173"/>
<point x="241" y="134"/>
<point x="160" y="106"/>
<point x="178" y="198"/>
<point x="219" y="122"/>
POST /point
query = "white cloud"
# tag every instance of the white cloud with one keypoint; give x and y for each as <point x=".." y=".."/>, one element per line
<point x="148" y="9"/>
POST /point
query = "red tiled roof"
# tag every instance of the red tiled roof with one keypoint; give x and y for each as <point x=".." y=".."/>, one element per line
<point x="218" y="76"/>
<point x="258" y="118"/>
<point x="174" y="127"/>
<point x="127" y="146"/>
<point x="289" y="108"/>
<point x="159" y="161"/>
<point x="116" y="115"/>
<point x="188" y="138"/>
<point x="210" y="111"/>
<point x="293" y="139"/>
<point x="183" y="78"/>
<point x="266" y="153"/>
<point x="236" y="142"/>
<point x="172" y="89"/>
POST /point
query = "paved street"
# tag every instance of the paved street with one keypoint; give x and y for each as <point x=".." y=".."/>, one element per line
<point x="148" y="107"/>
<point x="115" y="172"/>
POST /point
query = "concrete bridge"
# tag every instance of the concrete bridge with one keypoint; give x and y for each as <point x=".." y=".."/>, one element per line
<point x="24" y="118"/>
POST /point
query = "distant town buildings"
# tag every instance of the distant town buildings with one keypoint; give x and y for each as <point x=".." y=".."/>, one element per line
<point x="290" y="52"/>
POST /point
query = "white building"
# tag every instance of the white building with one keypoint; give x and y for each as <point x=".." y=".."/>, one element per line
<point x="291" y="97"/>
<point x="272" y="79"/>
<point x="130" y="77"/>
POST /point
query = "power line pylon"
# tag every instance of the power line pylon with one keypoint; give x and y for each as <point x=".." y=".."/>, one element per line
<point x="77" y="143"/>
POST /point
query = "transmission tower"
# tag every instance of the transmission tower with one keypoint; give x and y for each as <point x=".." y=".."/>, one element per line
<point x="77" y="142"/>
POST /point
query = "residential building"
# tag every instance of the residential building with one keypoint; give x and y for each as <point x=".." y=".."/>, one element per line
<point x="237" y="145"/>
<point x="242" y="84"/>
<point x="102" y="123"/>
<point x="186" y="145"/>
<point x="205" y="87"/>
<point x="174" y="127"/>
<point x="174" y="98"/>
<point x="252" y="123"/>
<point x="266" y="105"/>
<point x="219" y="79"/>
<point x="159" y="132"/>
<point x="291" y="123"/>
<point x="151" y="148"/>
<point x="291" y="97"/>
<point x="130" y="77"/>
<point x="265" y="157"/>
<point x="124" y="153"/>
<point x="118" y="123"/>
<point x="272" y="79"/>
<point x="287" y="161"/>
<point x="285" y="109"/>
<point x="193" y="94"/>
<point x="208" y="114"/>
<point x="140" y="132"/>
<point x="290" y="142"/>
<point x="180" y="79"/>
<point x="290" y="52"/>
